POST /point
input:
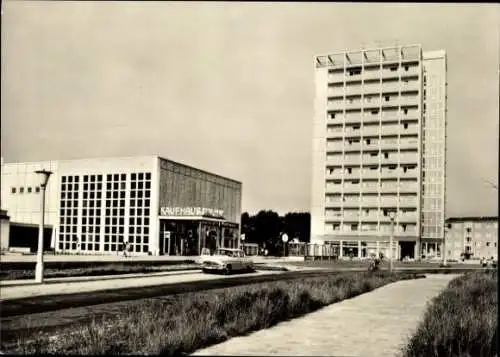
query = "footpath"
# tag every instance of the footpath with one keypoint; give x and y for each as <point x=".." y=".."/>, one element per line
<point x="375" y="324"/>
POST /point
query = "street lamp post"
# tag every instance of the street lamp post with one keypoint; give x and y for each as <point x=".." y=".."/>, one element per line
<point x="284" y="238"/>
<point x="446" y="229"/>
<point x="392" y="215"/>
<point x="39" y="260"/>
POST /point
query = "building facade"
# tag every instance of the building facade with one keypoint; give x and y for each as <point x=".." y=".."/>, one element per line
<point x="379" y="149"/>
<point x="94" y="206"/>
<point x="472" y="237"/>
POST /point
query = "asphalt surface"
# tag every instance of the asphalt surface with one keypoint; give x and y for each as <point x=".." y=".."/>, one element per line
<point x="39" y="304"/>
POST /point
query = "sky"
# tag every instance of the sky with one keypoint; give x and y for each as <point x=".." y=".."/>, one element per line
<point x="228" y="87"/>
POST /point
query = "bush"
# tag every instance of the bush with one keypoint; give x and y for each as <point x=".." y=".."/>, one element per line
<point x="187" y="322"/>
<point x="461" y="321"/>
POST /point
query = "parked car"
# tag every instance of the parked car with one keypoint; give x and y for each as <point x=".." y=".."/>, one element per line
<point x="226" y="260"/>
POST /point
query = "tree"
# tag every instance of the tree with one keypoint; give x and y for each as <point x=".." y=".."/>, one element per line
<point x="265" y="228"/>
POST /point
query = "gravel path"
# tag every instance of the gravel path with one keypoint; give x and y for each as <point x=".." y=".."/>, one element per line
<point x="373" y="324"/>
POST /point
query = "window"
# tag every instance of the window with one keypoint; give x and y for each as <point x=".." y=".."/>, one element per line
<point x="405" y="125"/>
<point x="354" y="227"/>
<point x="332" y="115"/>
<point x="468" y="239"/>
<point x="375" y="112"/>
<point x="21" y="190"/>
<point x="386" y="98"/>
<point x="487" y="244"/>
<point x="29" y="189"/>
<point x="349" y="170"/>
<point x="406" y="68"/>
<point x="405" y="111"/>
<point x="37" y="189"/>
<point x="13" y="190"/>
<point x="394" y="68"/>
<point x="468" y="230"/>
<point x="368" y="141"/>
<point x="355" y="127"/>
<point x="386" y="155"/>
<point x="373" y="154"/>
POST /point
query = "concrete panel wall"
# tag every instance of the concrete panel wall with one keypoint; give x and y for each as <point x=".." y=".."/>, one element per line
<point x="319" y="157"/>
<point x="184" y="186"/>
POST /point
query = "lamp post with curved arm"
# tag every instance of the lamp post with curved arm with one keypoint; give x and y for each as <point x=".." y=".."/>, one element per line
<point x="44" y="174"/>
<point x="392" y="216"/>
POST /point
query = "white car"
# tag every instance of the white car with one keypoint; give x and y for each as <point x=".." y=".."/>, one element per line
<point x="225" y="260"/>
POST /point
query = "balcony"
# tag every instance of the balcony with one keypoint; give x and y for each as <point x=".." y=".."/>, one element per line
<point x="407" y="218"/>
<point x="335" y="175"/>
<point x="408" y="203"/>
<point x="353" y="118"/>
<point x="334" y="133"/>
<point x="337" y="77"/>
<point x="353" y="147"/>
<point x="402" y="101"/>
<point x="389" y="174"/>
<point x="352" y="160"/>
<point x="335" y="91"/>
<point x="409" y="144"/>
<point x="408" y="188"/>
<point x="386" y="190"/>
<point x="408" y="159"/>
<point x="333" y="204"/>
<point x="336" y="146"/>
<point x="371" y="174"/>
<point x="370" y="160"/>
<point x="335" y="190"/>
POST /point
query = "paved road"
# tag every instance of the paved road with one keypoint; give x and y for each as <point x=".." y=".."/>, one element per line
<point x="373" y="324"/>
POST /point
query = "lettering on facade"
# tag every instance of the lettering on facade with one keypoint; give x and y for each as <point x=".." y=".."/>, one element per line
<point x="191" y="211"/>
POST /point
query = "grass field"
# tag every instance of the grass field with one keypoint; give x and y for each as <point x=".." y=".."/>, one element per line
<point x="461" y="321"/>
<point x="195" y="320"/>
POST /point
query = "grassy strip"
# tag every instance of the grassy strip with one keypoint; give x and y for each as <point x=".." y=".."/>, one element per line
<point x="461" y="321"/>
<point x="195" y="320"/>
<point x="110" y="269"/>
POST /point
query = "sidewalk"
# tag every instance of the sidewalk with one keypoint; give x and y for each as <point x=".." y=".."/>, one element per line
<point x="77" y="279"/>
<point x="71" y="285"/>
<point x="373" y="324"/>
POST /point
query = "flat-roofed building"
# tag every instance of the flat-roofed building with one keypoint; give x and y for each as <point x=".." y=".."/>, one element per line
<point x="379" y="147"/>
<point x="95" y="205"/>
<point x="472" y="237"/>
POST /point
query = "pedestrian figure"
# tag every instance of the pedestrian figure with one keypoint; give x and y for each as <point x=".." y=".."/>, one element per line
<point x="125" y="247"/>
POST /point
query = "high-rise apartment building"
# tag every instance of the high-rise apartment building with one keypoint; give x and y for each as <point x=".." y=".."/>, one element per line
<point x="379" y="151"/>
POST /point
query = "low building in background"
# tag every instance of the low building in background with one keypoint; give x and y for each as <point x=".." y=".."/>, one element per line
<point x="4" y="230"/>
<point x="94" y="206"/>
<point x="472" y="238"/>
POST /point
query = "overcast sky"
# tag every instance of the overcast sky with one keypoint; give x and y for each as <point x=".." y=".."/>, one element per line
<point x="229" y="87"/>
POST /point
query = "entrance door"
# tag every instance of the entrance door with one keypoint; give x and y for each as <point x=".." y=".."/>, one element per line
<point x="166" y="243"/>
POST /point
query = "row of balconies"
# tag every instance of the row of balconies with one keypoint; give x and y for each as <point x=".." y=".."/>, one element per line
<point x="337" y="189"/>
<point x="355" y="217"/>
<point x="374" y="74"/>
<point x="383" y="174"/>
<point x="375" y="130"/>
<point x="372" y="158"/>
<point x="373" y="201"/>
<point x="368" y="118"/>
<point x="371" y="185"/>
<point x="385" y="229"/>
<point x="391" y="102"/>
<point x="338" y="91"/>
<point x="404" y="144"/>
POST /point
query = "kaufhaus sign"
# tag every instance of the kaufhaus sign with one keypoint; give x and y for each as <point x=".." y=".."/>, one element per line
<point x="191" y="211"/>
